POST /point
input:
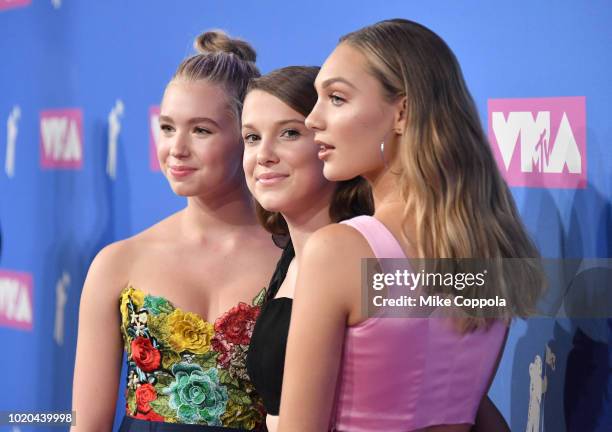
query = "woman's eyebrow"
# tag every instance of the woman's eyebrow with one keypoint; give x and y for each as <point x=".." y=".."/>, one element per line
<point x="284" y="122"/>
<point x="278" y="123"/>
<point x="332" y="80"/>
<point x="194" y="120"/>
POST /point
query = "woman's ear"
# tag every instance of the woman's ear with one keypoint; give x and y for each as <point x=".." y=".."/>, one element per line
<point x="401" y="116"/>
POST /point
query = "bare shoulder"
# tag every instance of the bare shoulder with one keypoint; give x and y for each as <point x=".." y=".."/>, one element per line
<point x="338" y="243"/>
<point x="330" y="267"/>
<point x="110" y="270"/>
<point x="166" y="229"/>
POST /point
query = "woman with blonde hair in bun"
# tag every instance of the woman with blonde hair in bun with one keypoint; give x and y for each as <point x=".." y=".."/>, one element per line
<point x="182" y="296"/>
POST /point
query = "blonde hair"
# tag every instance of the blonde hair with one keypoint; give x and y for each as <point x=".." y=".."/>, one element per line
<point x="222" y="60"/>
<point x="449" y="180"/>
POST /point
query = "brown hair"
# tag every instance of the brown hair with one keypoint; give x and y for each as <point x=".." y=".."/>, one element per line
<point x="449" y="180"/>
<point x="222" y="60"/>
<point x="294" y="85"/>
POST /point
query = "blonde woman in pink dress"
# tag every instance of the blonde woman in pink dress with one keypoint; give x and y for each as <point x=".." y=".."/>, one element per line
<point x="393" y="107"/>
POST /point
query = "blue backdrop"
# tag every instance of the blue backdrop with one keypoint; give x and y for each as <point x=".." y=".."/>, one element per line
<point x="80" y="79"/>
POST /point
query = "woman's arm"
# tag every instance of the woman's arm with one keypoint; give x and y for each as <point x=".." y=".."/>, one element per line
<point x="99" y="346"/>
<point x="316" y="334"/>
<point x="489" y="419"/>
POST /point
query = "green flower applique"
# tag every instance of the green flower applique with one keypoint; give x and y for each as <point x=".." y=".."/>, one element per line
<point x="157" y="305"/>
<point x="197" y="395"/>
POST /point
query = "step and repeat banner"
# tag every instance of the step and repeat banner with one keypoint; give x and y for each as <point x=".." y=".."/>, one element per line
<point x="80" y="86"/>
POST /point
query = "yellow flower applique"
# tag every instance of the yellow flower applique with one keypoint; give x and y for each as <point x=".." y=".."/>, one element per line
<point x="188" y="332"/>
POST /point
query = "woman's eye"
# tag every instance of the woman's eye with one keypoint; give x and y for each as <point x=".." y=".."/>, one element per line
<point x="166" y="128"/>
<point x="201" y="130"/>
<point x="290" y="133"/>
<point x="250" y="138"/>
<point x="336" y="100"/>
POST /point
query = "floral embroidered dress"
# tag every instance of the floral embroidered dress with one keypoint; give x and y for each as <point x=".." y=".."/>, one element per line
<point x="182" y="369"/>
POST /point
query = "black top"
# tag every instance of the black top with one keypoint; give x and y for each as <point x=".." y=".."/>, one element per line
<point x="266" y="356"/>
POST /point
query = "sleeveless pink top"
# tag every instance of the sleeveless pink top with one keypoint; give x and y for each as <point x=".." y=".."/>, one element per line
<point x="404" y="374"/>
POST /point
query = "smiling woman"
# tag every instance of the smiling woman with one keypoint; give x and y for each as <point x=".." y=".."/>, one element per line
<point x="293" y="200"/>
<point x="195" y="151"/>
<point x="177" y="296"/>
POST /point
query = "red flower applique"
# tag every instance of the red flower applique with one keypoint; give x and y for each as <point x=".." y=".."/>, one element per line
<point x="145" y="393"/>
<point x="145" y="356"/>
<point x="237" y="324"/>
<point x="151" y="415"/>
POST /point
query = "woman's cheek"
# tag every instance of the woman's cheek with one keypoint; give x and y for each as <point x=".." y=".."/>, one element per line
<point x="248" y="167"/>
<point x="162" y="155"/>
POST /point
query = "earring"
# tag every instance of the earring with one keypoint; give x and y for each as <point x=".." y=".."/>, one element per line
<point x="382" y="153"/>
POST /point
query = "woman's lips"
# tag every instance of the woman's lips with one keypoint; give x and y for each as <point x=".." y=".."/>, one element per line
<point x="270" y="178"/>
<point x="324" y="150"/>
<point x="181" y="171"/>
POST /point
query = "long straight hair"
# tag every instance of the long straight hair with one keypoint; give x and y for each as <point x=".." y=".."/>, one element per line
<point x="449" y="180"/>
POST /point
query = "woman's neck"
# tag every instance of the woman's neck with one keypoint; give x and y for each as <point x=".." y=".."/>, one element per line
<point x="219" y="216"/>
<point x="390" y="208"/>
<point x="384" y="189"/>
<point x="304" y="222"/>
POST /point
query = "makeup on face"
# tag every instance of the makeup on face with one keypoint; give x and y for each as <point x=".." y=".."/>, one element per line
<point x="199" y="146"/>
<point x="324" y="150"/>
<point x="280" y="157"/>
<point x="351" y="117"/>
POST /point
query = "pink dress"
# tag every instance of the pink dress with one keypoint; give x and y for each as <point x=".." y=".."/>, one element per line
<point x="405" y="374"/>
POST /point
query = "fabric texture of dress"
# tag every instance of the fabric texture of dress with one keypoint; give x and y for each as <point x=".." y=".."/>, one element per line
<point x="405" y="374"/>
<point x="184" y="371"/>
<point x="266" y="356"/>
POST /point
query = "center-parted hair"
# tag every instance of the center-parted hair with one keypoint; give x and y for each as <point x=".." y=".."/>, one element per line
<point x="221" y="60"/>
<point x="294" y="85"/>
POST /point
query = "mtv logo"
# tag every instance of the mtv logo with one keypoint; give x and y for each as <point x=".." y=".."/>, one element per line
<point x="153" y="137"/>
<point x="9" y="4"/>
<point x="61" y="139"/>
<point x="540" y="142"/>
<point x="15" y="300"/>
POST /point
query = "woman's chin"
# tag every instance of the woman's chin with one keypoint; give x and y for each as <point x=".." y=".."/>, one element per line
<point x="336" y="173"/>
<point x="183" y="190"/>
<point x="273" y="206"/>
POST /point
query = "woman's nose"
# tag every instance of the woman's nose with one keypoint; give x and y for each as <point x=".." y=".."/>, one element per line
<point x="180" y="146"/>
<point x="266" y="153"/>
<point x="314" y="121"/>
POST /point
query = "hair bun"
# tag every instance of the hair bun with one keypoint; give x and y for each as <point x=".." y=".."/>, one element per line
<point x="218" y="41"/>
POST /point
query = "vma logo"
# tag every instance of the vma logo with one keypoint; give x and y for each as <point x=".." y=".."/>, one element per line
<point x="540" y="142"/>
<point x="9" y="4"/>
<point x="16" y="300"/>
<point x="154" y="137"/>
<point x="61" y="139"/>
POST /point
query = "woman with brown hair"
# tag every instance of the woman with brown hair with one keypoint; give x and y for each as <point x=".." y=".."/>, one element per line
<point x="182" y="296"/>
<point x="393" y="107"/>
<point x="293" y="200"/>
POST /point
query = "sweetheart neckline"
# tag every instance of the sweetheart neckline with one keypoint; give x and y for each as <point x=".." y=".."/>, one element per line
<point x="175" y="307"/>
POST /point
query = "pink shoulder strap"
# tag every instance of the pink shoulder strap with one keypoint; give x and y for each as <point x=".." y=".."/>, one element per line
<point x="378" y="236"/>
